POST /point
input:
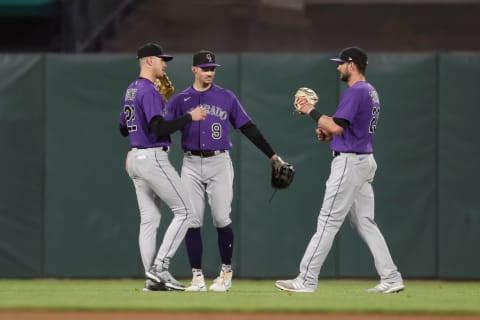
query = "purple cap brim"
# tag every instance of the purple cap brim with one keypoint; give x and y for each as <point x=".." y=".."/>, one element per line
<point x="338" y="60"/>
<point x="165" y="57"/>
<point x="206" y="65"/>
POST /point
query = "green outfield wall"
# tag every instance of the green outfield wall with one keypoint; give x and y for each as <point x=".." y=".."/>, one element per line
<point x="68" y="209"/>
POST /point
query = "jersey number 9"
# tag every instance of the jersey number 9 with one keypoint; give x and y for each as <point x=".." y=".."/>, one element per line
<point x="216" y="131"/>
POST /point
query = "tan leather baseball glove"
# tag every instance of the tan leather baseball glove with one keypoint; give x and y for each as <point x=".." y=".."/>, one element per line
<point x="165" y="86"/>
<point x="303" y="96"/>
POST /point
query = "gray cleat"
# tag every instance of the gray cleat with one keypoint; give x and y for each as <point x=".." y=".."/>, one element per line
<point x="154" y="286"/>
<point x="387" y="287"/>
<point x="163" y="276"/>
<point x="293" y="285"/>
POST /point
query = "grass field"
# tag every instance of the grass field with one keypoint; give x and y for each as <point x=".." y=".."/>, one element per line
<point x="245" y="296"/>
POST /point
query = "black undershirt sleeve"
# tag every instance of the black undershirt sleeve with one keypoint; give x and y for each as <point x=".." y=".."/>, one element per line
<point x="251" y="131"/>
<point x="124" y="131"/>
<point x="344" y="123"/>
<point x="315" y="114"/>
<point x="162" y="127"/>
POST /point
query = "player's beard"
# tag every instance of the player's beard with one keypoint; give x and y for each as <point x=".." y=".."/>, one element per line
<point x="345" y="76"/>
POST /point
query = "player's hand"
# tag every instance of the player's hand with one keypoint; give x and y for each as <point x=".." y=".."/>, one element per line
<point x="198" y="114"/>
<point x="323" y="135"/>
<point x="303" y="106"/>
<point x="275" y="157"/>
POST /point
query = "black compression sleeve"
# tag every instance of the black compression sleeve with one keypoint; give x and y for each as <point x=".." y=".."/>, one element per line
<point x="162" y="127"/>
<point x="251" y="131"/>
<point x="123" y="131"/>
<point x="341" y="122"/>
<point x="315" y="114"/>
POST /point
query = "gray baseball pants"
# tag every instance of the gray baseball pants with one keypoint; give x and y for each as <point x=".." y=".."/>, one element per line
<point x="348" y="192"/>
<point x="157" y="181"/>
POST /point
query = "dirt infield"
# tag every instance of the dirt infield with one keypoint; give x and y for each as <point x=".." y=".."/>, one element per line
<point x="102" y="315"/>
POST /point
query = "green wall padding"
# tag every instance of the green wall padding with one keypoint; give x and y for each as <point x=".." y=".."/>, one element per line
<point x="68" y="209"/>
<point x="22" y="164"/>
<point x="278" y="231"/>
<point x="459" y="156"/>
<point x="91" y="213"/>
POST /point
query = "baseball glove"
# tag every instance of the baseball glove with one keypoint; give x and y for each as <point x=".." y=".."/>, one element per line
<point x="164" y="86"/>
<point x="282" y="174"/>
<point x="303" y="96"/>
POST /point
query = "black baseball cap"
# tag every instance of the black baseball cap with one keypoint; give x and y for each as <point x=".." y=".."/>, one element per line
<point x="152" y="50"/>
<point x="354" y="54"/>
<point x="204" y="58"/>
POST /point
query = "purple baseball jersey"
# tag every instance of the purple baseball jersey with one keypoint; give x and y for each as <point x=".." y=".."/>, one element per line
<point x="359" y="105"/>
<point x="141" y="103"/>
<point x="223" y="109"/>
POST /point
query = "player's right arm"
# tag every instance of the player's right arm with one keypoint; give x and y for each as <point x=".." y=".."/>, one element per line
<point x="123" y="131"/>
<point x="333" y="126"/>
<point x="127" y="115"/>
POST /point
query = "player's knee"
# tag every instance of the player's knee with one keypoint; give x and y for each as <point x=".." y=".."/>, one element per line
<point x="150" y="220"/>
<point x="219" y="224"/>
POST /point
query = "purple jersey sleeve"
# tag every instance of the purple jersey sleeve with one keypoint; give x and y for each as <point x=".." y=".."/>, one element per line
<point x="360" y="105"/>
<point x="223" y="110"/>
<point x="141" y="103"/>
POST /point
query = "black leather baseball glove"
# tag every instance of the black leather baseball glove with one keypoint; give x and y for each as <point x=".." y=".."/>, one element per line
<point x="282" y="174"/>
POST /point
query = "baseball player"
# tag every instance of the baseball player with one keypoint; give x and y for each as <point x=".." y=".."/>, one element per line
<point x="143" y="120"/>
<point x="348" y="188"/>
<point x="207" y="170"/>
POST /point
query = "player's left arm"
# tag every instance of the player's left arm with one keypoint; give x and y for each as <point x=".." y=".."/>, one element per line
<point x="253" y="134"/>
<point x="332" y="125"/>
<point x="162" y="127"/>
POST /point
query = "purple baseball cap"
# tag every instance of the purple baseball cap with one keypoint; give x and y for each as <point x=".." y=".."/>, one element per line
<point x="152" y="50"/>
<point x="354" y="54"/>
<point x="204" y="59"/>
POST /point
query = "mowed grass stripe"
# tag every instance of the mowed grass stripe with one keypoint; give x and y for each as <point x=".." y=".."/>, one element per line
<point x="245" y="296"/>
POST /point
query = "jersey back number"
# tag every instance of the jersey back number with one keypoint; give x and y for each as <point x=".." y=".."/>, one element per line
<point x="129" y="111"/>
<point x="374" y="120"/>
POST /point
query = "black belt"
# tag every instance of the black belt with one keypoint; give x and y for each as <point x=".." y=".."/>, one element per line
<point x="204" y="153"/>
<point x="164" y="148"/>
<point x="336" y="153"/>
